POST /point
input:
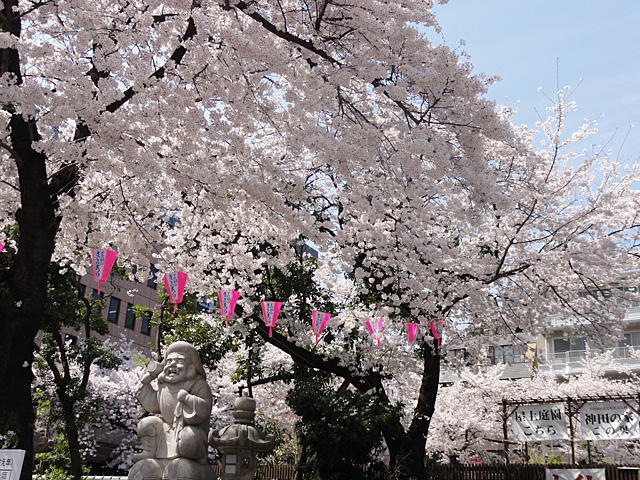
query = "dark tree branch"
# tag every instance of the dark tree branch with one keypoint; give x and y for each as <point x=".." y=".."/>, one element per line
<point x="88" y="360"/>
<point x="306" y="44"/>
<point x="177" y="56"/>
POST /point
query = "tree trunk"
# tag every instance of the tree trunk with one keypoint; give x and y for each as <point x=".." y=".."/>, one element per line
<point x="407" y="449"/>
<point x="23" y="289"/>
<point x="71" y="430"/>
<point x="16" y="408"/>
<point x="300" y="461"/>
<point x="419" y="428"/>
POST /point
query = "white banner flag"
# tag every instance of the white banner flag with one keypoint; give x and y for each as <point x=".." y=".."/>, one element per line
<point x="576" y="474"/>
<point x="539" y="422"/>
<point x="609" y="420"/>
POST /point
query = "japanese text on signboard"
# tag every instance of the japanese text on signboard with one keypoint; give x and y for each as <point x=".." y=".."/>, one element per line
<point x="11" y="464"/>
<point x="539" y="422"/>
<point x="609" y="420"/>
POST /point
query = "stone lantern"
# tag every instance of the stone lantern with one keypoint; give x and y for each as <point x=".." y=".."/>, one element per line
<point x="240" y="442"/>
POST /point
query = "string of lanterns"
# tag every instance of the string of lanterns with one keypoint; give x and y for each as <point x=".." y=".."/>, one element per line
<point x="175" y="282"/>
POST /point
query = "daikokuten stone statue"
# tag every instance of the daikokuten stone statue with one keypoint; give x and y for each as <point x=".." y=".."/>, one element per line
<point x="175" y="442"/>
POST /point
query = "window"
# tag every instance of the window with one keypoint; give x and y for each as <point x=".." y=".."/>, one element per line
<point x="508" y="354"/>
<point x="70" y="339"/>
<point x="145" y="327"/>
<point x="459" y="355"/>
<point x="114" y="310"/>
<point x="83" y="289"/>
<point x="616" y="294"/>
<point x="231" y="464"/>
<point x="95" y="297"/>
<point x="152" y="277"/>
<point x="130" y="318"/>
<point x="503" y="330"/>
<point x="631" y="339"/>
<point x="206" y="307"/>
<point x="569" y="349"/>
<point x="562" y="345"/>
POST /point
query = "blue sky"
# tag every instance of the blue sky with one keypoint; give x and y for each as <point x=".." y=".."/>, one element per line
<point x="543" y="43"/>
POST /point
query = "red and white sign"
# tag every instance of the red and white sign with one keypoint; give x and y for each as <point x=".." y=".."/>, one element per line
<point x="575" y="474"/>
<point x="103" y="260"/>
<point x="270" y="311"/>
<point x="436" y="329"/>
<point x="11" y="463"/>
<point x="228" y="299"/>
<point x="375" y="329"/>
<point x="174" y="283"/>
<point x="318" y="322"/>
<point x="412" y="329"/>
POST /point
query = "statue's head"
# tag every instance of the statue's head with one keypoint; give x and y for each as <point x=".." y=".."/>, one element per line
<point x="182" y="363"/>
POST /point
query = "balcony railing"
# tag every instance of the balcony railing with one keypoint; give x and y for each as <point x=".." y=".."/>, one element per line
<point x="575" y="356"/>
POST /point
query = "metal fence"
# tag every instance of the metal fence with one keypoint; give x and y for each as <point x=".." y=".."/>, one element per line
<point x="575" y="356"/>
<point x="470" y="472"/>
<point x="269" y="472"/>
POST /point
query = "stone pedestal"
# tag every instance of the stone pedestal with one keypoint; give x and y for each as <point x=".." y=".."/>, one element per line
<point x="180" y="468"/>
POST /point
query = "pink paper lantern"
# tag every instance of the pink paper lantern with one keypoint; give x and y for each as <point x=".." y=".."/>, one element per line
<point x="436" y="329"/>
<point x="174" y="282"/>
<point x="318" y="322"/>
<point x="103" y="260"/>
<point x="270" y="312"/>
<point x="412" y="329"/>
<point x="375" y="329"/>
<point x="228" y="299"/>
<point x="1" y="247"/>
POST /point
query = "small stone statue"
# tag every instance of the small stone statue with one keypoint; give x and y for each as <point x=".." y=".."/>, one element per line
<point x="175" y="443"/>
<point x="41" y="442"/>
<point x="241" y="441"/>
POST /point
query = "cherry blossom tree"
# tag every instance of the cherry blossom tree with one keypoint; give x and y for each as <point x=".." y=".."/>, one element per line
<point x="67" y="365"/>
<point x="120" y="411"/>
<point x="209" y="136"/>
<point x="467" y="413"/>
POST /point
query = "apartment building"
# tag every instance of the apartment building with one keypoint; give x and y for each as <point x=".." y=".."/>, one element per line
<point x="555" y="351"/>
<point x="515" y="350"/>
<point x="564" y="354"/>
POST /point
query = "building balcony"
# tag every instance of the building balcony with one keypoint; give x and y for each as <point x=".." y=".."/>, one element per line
<point x="572" y="362"/>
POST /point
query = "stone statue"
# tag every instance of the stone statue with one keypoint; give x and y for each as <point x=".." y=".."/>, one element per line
<point x="41" y="442"/>
<point x="241" y="441"/>
<point x="174" y="444"/>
